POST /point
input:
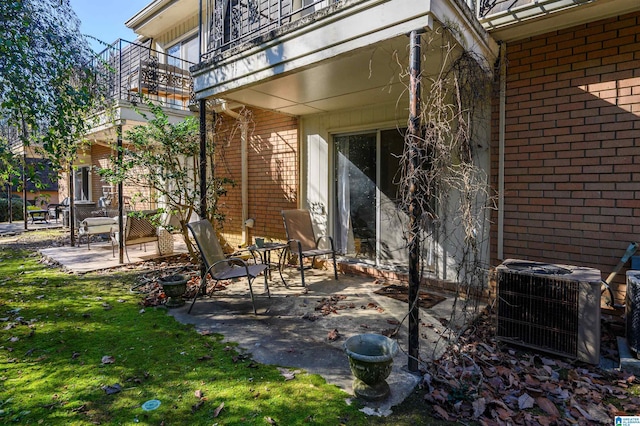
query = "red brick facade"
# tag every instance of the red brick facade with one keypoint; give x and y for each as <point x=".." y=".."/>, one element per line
<point x="273" y="173"/>
<point x="572" y="145"/>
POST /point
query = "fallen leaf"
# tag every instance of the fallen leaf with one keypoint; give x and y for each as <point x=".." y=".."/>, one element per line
<point x="525" y="401"/>
<point x="111" y="389"/>
<point x="198" y="394"/>
<point x="333" y="335"/>
<point x="288" y="375"/>
<point x="547" y="406"/>
<point x="479" y="405"/>
<point x="504" y="414"/>
<point x="216" y="412"/>
<point x="270" y="420"/>
<point x="108" y="359"/>
<point x="195" y="407"/>
<point x="441" y="412"/>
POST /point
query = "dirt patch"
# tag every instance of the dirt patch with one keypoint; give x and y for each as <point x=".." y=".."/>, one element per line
<point x="401" y="292"/>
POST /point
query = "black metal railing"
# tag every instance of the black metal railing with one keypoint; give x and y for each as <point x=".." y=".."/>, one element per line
<point x="229" y="23"/>
<point x="133" y="72"/>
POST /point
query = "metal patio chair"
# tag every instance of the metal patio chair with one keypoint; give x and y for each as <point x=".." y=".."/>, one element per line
<point x="217" y="265"/>
<point x="302" y="240"/>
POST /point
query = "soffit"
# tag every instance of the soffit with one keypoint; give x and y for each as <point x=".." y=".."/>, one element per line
<point x="540" y="17"/>
<point x="373" y="75"/>
<point x="161" y="15"/>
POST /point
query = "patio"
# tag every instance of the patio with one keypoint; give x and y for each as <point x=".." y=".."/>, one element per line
<point x="298" y="327"/>
<point x="80" y="260"/>
<point x="306" y="327"/>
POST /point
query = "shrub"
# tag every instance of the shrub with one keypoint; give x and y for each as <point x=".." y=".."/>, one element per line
<point x="16" y="207"/>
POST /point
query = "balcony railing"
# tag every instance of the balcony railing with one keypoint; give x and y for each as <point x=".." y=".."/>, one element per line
<point x="132" y="72"/>
<point x="229" y="23"/>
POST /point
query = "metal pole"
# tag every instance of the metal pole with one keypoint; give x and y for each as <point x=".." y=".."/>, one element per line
<point x="9" y="201"/>
<point x="414" y="206"/>
<point x="24" y="189"/>
<point x="72" y="203"/>
<point x="203" y="159"/>
<point x="120" y="198"/>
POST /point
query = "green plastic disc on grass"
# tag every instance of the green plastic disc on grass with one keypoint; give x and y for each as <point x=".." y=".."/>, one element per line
<point x="152" y="404"/>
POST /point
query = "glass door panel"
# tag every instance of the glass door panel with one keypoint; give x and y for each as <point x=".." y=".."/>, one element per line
<point x="393" y="221"/>
<point x="355" y="232"/>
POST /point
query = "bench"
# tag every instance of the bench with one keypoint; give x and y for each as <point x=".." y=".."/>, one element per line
<point x="95" y="226"/>
<point x="137" y="230"/>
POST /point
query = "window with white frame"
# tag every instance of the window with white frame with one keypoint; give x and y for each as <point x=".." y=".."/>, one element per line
<point x="82" y="183"/>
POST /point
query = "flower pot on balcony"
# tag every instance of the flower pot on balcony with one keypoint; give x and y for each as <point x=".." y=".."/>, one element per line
<point x="174" y="287"/>
<point x="370" y="360"/>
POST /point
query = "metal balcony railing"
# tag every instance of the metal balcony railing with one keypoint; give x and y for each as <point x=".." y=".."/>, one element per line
<point x="229" y="23"/>
<point x="133" y="72"/>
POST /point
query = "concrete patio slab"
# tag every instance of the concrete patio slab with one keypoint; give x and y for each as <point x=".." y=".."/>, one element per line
<point x="15" y="228"/>
<point x="290" y="330"/>
<point x="81" y="260"/>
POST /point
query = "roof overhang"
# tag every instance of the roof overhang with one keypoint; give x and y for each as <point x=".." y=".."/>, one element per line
<point x="160" y="15"/>
<point x="531" y="18"/>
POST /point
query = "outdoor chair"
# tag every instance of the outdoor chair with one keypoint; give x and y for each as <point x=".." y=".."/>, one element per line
<point x="220" y="267"/>
<point x="302" y="240"/>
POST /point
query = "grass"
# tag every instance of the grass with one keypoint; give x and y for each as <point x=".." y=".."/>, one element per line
<point x="78" y="350"/>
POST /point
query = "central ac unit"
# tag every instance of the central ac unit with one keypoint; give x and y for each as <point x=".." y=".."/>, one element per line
<point x="551" y="308"/>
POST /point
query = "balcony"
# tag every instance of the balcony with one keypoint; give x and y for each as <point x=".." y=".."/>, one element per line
<point x="516" y="19"/>
<point x="231" y="23"/>
<point x="131" y="72"/>
<point x="303" y="57"/>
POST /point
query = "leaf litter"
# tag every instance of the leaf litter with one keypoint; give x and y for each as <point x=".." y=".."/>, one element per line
<point x="479" y="380"/>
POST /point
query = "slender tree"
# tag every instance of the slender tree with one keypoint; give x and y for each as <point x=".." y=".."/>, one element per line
<point x="163" y="158"/>
<point x="46" y="84"/>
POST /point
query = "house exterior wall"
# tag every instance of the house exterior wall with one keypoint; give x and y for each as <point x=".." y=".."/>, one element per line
<point x="273" y="173"/>
<point x="318" y="189"/>
<point x="100" y="159"/>
<point x="572" y="146"/>
<point x="318" y="192"/>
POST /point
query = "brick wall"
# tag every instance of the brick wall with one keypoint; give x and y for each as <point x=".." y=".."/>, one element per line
<point x="572" y="155"/>
<point x="273" y="173"/>
<point x="101" y="158"/>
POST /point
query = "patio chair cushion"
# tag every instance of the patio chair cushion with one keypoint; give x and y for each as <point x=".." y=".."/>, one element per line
<point x="97" y="225"/>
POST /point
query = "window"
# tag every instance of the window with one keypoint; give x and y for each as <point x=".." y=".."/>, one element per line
<point x="186" y="50"/>
<point x="82" y="184"/>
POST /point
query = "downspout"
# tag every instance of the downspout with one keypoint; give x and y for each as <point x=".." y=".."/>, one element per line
<point x="501" y="142"/>
<point x="244" y="178"/>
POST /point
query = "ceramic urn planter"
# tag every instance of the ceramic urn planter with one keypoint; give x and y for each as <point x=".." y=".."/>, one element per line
<point x="370" y="360"/>
<point x="174" y="287"/>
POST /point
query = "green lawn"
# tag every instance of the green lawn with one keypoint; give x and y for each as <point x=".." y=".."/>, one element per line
<point x="78" y="350"/>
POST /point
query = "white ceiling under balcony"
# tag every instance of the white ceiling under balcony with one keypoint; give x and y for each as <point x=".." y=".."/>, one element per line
<point x="372" y="75"/>
<point x="345" y="60"/>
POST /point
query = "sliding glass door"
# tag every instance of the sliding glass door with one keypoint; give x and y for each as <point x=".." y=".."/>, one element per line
<point x="369" y="224"/>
